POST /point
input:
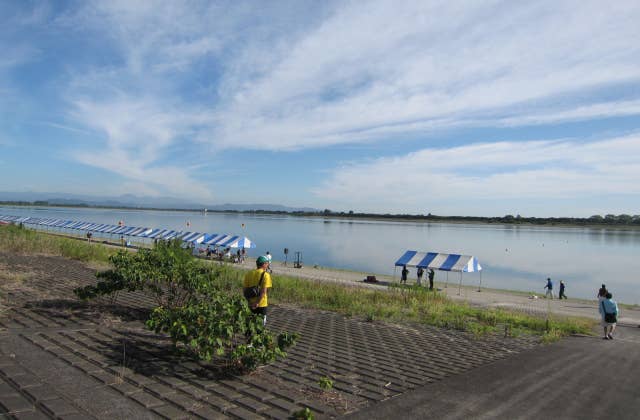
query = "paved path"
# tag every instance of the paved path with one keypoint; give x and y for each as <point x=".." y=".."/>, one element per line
<point x="576" y="378"/>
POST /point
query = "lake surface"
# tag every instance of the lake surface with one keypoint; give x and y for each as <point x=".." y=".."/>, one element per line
<point x="512" y="257"/>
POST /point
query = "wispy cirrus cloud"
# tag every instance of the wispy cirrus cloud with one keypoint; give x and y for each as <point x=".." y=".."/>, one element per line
<point x="135" y="135"/>
<point x="500" y="171"/>
<point x="153" y="88"/>
<point x="409" y="67"/>
<point x="142" y="106"/>
<point x="135" y="105"/>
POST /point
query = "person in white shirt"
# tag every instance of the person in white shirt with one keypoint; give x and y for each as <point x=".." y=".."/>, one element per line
<point x="268" y="256"/>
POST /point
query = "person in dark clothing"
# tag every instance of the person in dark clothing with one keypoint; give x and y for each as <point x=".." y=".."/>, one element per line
<point x="549" y="288"/>
<point x="431" y="275"/>
<point x="405" y="273"/>
<point x="420" y="272"/>
<point x="561" y="294"/>
<point x="602" y="293"/>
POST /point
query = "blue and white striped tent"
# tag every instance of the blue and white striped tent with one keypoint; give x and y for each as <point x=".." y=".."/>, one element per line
<point x="225" y="241"/>
<point x="443" y="262"/>
<point x="222" y="240"/>
<point x="439" y="261"/>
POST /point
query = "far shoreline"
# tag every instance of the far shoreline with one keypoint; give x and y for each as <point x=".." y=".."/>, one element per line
<point x="342" y="217"/>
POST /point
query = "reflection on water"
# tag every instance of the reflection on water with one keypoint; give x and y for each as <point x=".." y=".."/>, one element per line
<point x="513" y="257"/>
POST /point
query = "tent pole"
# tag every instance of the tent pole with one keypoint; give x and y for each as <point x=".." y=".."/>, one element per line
<point x="460" y="284"/>
<point x="447" y="281"/>
<point x="480" y="284"/>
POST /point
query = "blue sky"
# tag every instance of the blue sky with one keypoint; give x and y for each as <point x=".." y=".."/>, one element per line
<point x="454" y="108"/>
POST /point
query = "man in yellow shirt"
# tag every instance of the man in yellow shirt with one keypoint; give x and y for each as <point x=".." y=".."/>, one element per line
<point x="261" y="278"/>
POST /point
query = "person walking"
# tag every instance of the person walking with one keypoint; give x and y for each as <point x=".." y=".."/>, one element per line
<point x="404" y="274"/>
<point x="561" y="293"/>
<point x="261" y="278"/>
<point x="549" y="288"/>
<point x="609" y="312"/>
<point x="602" y="293"/>
<point x="431" y="275"/>
<point x="420" y="273"/>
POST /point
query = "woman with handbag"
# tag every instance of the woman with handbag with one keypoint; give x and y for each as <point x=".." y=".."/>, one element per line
<point x="609" y="311"/>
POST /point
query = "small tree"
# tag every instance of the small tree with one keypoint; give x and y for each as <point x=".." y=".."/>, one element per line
<point x="194" y="305"/>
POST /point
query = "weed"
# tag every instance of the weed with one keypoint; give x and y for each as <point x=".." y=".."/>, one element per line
<point x="119" y="377"/>
<point x="325" y="383"/>
<point x="551" y="336"/>
<point x="304" y="414"/>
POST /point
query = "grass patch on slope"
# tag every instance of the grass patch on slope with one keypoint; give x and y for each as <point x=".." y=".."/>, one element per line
<point x="408" y="304"/>
<point x="26" y="241"/>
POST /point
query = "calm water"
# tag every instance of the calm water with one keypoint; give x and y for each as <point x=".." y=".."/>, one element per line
<point x="512" y="257"/>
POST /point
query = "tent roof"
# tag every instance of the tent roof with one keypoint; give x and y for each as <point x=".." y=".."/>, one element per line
<point x="439" y="261"/>
<point x="196" y="237"/>
<point x="228" y="241"/>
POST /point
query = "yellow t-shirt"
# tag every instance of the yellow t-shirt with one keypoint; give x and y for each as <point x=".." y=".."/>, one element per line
<point x="252" y="278"/>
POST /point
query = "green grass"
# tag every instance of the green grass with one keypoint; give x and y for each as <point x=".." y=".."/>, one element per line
<point x="408" y="305"/>
<point x="397" y="304"/>
<point x="26" y="241"/>
<point x="416" y="304"/>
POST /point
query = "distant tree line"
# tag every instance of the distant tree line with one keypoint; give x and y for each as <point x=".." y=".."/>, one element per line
<point x="609" y="219"/>
<point x="606" y="220"/>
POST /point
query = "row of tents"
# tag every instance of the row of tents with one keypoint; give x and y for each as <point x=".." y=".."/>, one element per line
<point x="196" y="238"/>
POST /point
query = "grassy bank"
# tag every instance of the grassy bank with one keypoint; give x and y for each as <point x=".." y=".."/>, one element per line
<point x="398" y="304"/>
<point x="26" y="241"/>
<point x="416" y="304"/>
<point x="408" y="305"/>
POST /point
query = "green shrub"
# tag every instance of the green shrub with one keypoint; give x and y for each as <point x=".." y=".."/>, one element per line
<point x="221" y="326"/>
<point x="198" y="305"/>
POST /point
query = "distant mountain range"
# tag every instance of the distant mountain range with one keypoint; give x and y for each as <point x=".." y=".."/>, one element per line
<point x="130" y="200"/>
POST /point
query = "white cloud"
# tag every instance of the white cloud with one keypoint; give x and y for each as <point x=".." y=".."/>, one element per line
<point x="135" y="135"/>
<point x="409" y="67"/>
<point x="301" y="75"/>
<point x="134" y="106"/>
<point x="504" y="171"/>
<point x="598" y="110"/>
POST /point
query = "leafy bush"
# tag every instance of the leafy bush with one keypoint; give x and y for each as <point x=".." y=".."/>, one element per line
<point x="222" y="326"/>
<point x="167" y="271"/>
<point x="197" y="305"/>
